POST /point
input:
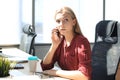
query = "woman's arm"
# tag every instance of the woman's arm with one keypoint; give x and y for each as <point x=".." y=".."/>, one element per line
<point x="56" y="39"/>
<point x="72" y="75"/>
<point x="49" y="56"/>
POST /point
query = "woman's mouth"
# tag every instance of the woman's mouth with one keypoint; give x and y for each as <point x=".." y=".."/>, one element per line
<point x="62" y="29"/>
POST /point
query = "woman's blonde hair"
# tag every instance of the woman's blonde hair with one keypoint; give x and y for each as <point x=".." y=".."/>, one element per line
<point x="72" y="14"/>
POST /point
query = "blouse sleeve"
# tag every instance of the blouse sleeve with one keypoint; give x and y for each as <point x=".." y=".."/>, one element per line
<point x="84" y="57"/>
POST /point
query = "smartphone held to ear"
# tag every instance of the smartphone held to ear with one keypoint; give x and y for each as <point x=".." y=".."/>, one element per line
<point x="58" y="33"/>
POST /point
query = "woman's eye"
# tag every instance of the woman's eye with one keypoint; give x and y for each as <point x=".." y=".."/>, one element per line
<point x="66" y="20"/>
<point x="58" y="21"/>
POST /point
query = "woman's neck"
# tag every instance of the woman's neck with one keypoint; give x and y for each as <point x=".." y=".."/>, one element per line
<point x="69" y="38"/>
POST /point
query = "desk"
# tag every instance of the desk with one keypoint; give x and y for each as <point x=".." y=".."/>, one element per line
<point x="24" y="73"/>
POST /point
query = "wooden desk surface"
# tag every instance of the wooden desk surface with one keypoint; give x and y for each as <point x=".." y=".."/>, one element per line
<point x="18" y="74"/>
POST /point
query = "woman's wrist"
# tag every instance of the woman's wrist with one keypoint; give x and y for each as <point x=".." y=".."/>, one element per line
<point x="54" y="46"/>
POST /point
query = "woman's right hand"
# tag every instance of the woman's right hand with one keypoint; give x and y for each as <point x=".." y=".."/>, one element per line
<point x="56" y="37"/>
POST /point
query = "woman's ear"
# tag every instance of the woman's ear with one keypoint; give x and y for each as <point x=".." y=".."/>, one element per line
<point x="74" y="22"/>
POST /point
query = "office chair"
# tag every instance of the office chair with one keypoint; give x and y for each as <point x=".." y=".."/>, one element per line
<point x="106" y="50"/>
<point x="27" y="40"/>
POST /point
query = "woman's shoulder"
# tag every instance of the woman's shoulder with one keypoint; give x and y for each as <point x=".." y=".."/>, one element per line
<point x="81" y="38"/>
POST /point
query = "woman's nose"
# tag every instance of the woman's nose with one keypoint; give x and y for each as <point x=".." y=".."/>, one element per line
<point x="61" y="23"/>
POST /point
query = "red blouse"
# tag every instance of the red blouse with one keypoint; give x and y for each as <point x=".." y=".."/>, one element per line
<point x="75" y="57"/>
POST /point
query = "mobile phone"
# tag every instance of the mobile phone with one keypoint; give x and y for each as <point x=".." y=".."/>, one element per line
<point x="19" y="66"/>
<point x="58" y="33"/>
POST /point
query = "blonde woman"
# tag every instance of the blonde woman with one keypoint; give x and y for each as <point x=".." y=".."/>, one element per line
<point x="69" y="48"/>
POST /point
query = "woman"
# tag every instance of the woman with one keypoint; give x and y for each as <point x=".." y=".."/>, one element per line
<point x="69" y="48"/>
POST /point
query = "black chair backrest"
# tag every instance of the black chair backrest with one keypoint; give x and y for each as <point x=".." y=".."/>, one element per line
<point x="30" y="46"/>
<point x="106" y="50"/>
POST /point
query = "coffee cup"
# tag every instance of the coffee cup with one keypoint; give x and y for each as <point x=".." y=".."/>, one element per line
<point x="32" y="60"/>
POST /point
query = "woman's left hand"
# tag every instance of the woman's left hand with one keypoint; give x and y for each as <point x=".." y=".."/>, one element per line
<point x="50" y="72"/>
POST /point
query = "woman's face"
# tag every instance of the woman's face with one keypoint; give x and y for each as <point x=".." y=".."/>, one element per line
<point x="65" y="23"/>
